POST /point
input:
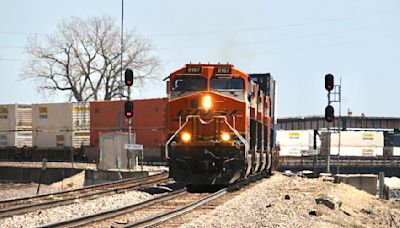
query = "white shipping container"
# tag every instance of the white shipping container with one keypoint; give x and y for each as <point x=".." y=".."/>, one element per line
<point x="16" y="139"/>
<point x="357" y="139"/>
<point x="295" y="138"/>
<point x="358" y="151"/>
<point x="61" y="139"/>
<point x="60" y="116"/>
<point x="292" y="151"/>
<point x="15" y="117"/>
<point x="396" y="151"/>
<point x="52" y="139"/>
<point x="81" y="138"/>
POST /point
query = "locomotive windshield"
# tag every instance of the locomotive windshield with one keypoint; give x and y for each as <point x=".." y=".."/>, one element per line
<point x="186" y="84"/>
<point x="227" y="84"/>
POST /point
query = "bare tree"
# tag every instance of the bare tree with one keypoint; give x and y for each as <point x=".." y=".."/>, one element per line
<point x="83" y="58"/>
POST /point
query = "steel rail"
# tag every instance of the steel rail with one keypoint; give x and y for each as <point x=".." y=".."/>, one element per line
<point x="26" y="205"/>
<point x="161" y="218"/>
<point x="85" y="220"/>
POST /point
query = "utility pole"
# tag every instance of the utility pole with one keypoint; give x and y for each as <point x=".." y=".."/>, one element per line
<point x="121" y="118"/>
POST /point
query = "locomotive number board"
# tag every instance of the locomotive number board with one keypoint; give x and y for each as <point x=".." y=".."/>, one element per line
<point x="193" y="70"/>
<point x="223" y="70"/>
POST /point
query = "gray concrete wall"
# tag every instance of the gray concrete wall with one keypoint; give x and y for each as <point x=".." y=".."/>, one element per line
<point x="366" y="182"/>
<point x="52" y="175"/>
<point x="29" y="175"/>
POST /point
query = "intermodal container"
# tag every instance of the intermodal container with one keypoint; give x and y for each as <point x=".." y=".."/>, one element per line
<point x="148" y="122"/>
<point x="357" y="139"/>
<point x="59" y="139"/>
<point x="16" y="139"/>
<point x="294" y="151"/>
<point x="60" y="116"/>
<point x="358" y="151"/>
<point x="294" y="138"/>
<point x="15" y="117"/>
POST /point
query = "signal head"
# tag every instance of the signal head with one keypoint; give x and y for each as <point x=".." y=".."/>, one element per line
<point x="129" y="109"/>
<point x="329" y="113"/>
<point x="329" y="82"/>
<point x="128" y="77"/>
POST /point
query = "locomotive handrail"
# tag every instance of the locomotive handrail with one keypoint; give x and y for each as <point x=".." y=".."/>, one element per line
<point x="174" y="135"/>
<point x="246" y="145"/>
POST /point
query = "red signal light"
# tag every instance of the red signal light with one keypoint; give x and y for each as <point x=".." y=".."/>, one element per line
<point x="128" y="109"/>
<point x="329" y="82"/>
<point x="329" y="113"/>
<point x="128" y="77"/>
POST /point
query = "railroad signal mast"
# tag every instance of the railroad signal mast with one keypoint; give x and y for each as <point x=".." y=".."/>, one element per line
<point x="334" y="95"/>
<point x="129" y="112"/>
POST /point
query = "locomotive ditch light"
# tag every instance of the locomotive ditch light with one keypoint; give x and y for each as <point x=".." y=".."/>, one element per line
<point x="207" y="102"/>
<point x="225" y="137"/>
<point x="186" y="137"/>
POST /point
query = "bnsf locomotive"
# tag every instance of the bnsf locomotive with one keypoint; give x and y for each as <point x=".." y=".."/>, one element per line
<point x="220" y="123"/>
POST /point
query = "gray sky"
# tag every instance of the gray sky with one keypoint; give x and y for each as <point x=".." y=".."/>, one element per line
<point x="298" y="42"/>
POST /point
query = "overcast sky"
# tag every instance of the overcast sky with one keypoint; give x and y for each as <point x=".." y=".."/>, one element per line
<point x="298" y="42"/>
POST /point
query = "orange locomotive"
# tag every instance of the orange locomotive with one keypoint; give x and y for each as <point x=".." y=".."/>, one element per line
<point x="220" y="123"/>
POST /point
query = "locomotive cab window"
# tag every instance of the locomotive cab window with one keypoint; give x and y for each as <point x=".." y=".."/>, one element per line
<point x="188" y="84"/>
<point x="233" y="87"/>
<point x="230" y="84"/>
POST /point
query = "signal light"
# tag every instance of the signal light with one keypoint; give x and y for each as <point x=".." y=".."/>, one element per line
<point x="128" y="77"/>
<point x="128" y="109"/>
<point x="329" y="82"/>
<point x="329" y="113"/>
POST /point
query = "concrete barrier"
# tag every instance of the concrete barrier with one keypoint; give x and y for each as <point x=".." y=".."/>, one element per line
<point x="52" y="175"/>
<point x="366" y="182"/>
<point x="32" y="175"/>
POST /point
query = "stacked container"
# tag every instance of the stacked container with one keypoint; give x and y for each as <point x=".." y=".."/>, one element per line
<point x="357" y="143"/>
<point x="15" y="125"/>
<point x="60" y="125"/>
<point x="148" y="123"/>
<point x="294" y="143"/>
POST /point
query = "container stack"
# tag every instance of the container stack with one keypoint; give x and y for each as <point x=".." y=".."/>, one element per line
<point x="15" y="125"/>
<point x="357" y="143"/>
<point x="295" y="143"/>
<point x="392" y="144"/>
<point x="58" y="125"/>
<point x="148" y="123"/>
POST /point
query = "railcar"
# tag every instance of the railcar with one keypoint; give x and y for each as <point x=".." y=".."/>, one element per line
<point x="220" y="123"/>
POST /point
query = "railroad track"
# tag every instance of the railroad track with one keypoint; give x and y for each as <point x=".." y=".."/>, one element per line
<point x="5" y="186"/>
<point x="28" y="204"/>
<point x="160" y="211"/>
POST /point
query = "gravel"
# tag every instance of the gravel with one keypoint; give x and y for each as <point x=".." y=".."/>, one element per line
<point x="30" y="190"/>
<point x="77" y="209"/>
<point x="264" y="205"/>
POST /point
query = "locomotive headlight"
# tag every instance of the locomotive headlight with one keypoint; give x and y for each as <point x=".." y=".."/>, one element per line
<point x="225" y="137"/>
<point x="186" y="137"/>
<point x="207" y="102"/>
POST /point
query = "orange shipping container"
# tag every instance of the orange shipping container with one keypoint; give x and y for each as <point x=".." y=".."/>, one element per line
<point x="148" y="122"/>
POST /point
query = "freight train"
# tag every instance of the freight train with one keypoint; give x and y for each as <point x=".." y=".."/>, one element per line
<point x="220" y="123"/>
